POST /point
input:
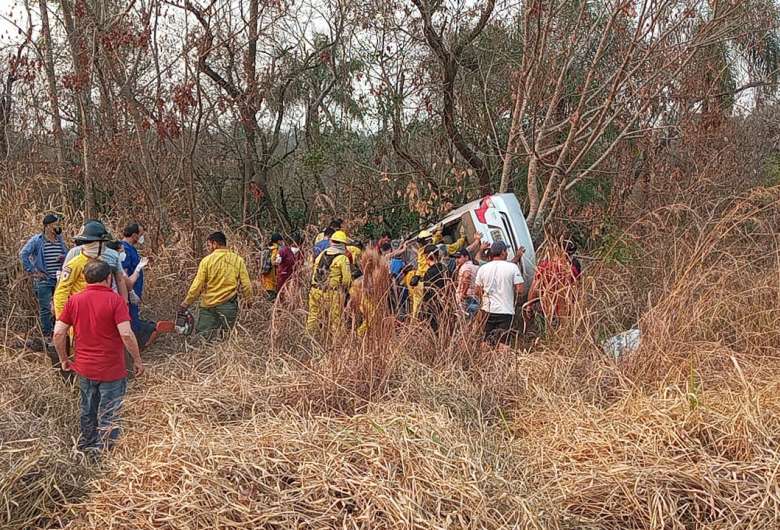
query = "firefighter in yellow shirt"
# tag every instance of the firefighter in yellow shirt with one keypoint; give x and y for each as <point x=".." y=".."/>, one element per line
<point x="416" y="287"/>
<point x="330" y="283"/>
<point x="220" y="276"/>
<point x="92" y="239"/>
<point x="269" y="262"/>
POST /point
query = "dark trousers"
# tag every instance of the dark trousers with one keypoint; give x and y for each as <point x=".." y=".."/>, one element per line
<point x="44" y="292"/>
<point x="218" y="318"/>
<point x="100" y="403"/>
<point x="498" y="327"/>
<point x="142" y="329"/>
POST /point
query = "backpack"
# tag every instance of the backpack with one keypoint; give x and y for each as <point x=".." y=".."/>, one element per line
<point x="265" y="261"/>
<point x="322" y="272"/>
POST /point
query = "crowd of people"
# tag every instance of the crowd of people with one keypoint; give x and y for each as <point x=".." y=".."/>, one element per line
<point x="90" y="296"/>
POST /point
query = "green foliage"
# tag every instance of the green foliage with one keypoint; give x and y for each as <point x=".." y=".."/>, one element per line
<point x="592" y="191"/>
<point x="772" y="171"/>
<point x="693" y="390"/>
<point x="616" y="247"/>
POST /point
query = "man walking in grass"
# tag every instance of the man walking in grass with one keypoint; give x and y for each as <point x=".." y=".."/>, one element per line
<point x="220" y="276"/>
<point x="101" y="322"/>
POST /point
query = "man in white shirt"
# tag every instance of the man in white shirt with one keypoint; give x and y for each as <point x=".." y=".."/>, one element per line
<point x="499" y="283"/>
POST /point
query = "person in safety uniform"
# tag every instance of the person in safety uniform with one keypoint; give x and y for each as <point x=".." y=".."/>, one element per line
<point x="330" y="282"/>
<point x="220" y="276"/>
<point x="416" y="283"/>
<point x="92" y="243"/>
<point x="269" y="263"/>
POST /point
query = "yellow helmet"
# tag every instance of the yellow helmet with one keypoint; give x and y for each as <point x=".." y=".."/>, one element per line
<point x="340" y="236"/>
<point x="424" y="234"/>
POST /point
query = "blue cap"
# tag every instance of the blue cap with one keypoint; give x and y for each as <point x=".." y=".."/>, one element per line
<point x="497" y="248"/>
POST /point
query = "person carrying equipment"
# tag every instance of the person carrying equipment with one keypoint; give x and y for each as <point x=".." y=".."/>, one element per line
<point x="269" y="261"/>
<point x="331" y="279"/>
<point x="219" y="277"/>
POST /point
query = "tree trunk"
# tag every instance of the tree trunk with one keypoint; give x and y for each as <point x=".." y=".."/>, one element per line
<point x="75" y="27"/>
<point x="51" y="81"/>
<point x="483" y="175"/>
<point x="511" y="142"/>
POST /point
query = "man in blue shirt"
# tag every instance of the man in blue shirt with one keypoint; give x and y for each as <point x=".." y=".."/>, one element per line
<point x="323" y="243"/>
<point x="42" y="257"/>
<point x="145" y="331"/>
<point x="400" y="293"/>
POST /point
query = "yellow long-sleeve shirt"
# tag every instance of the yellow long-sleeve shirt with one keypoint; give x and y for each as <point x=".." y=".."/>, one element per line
<point x="340" y="273"/>
<point x="220" y="274"/>
<point x="268" y="280"/>
<point x="72" y="281"/>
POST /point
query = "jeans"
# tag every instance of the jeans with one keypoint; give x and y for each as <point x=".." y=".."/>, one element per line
<point x="471" y="307"/>
<point x="100" y="403"/>
<point x="44" y="292"/>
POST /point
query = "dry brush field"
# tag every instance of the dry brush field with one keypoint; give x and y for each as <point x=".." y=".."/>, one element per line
<point x="271" y="429"/>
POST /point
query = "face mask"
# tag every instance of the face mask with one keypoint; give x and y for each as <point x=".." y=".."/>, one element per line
<point x="141" y="240"/>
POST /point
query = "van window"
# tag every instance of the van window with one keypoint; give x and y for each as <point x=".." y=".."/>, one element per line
<point x="508" y="227"/>
<point x="467" y="222"/>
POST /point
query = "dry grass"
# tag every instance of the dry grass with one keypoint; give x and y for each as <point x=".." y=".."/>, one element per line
<point x="406" y="429"/>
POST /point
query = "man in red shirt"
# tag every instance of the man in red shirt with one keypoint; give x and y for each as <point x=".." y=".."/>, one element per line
<point x="101" y="321"/>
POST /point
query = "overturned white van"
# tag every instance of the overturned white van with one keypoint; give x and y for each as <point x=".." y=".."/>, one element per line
<point x="497" y="217"/>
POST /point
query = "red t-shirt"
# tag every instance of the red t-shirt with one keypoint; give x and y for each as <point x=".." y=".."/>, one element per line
<point x="94" y="314"/>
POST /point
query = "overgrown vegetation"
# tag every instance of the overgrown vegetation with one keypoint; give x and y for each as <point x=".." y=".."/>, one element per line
<point x="407" y="429"/>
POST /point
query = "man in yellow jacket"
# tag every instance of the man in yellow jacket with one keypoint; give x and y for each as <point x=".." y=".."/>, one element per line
<point x="416" y="287"/>
<point x="92" y="241"/>
<point x="269" y="264"/>
<point x="220" y="276"/>
<point x="331" y="279"/>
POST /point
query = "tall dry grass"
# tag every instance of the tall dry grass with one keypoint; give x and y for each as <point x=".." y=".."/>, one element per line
<point x="405" y="428"/>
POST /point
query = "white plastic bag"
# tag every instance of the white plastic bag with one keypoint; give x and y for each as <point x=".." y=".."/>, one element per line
<point x="622" y="343"/>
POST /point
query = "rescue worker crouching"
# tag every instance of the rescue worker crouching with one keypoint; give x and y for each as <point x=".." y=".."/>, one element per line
<point x="331" y="279"/>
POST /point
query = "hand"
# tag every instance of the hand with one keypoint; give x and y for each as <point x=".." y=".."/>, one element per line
<point x="38" y="275"/>
<point x="66" y="365"/>
<point x="143" y="263"/>
<point x="134" y="300"/>
<point x="477" y="236"/>
<point x="139" y="368"/>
